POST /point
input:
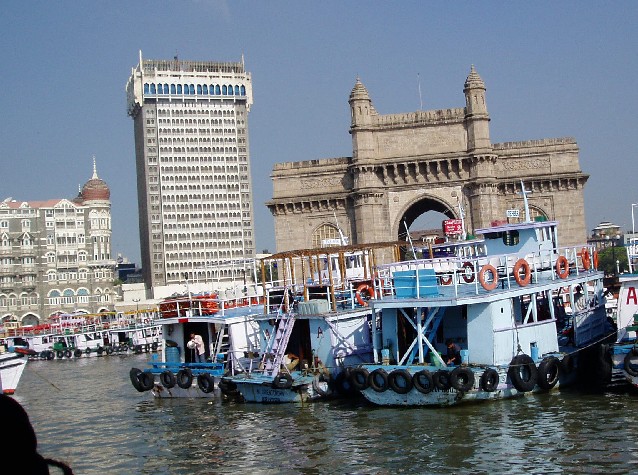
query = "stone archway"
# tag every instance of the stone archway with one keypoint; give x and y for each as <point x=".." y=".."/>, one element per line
<point x="416" y="209"/>
<point x="404" y="163"/>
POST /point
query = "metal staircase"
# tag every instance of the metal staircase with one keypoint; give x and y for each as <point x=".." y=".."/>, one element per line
<point x="222" y="344"/>
<point x="276" y="350"/>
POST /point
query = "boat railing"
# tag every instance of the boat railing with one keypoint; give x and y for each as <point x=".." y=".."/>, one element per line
<point x="454" y="276"/>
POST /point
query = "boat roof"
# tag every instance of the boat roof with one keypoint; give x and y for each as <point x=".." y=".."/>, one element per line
<point x="516" y="226"/>
<point x="333" y="250"/>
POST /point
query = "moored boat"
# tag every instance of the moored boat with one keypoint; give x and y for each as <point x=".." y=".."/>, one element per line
<point x="522" y="317"/>
<point x="624" y="352"/>
<point x="72" y="336"/>
<point x="13" y="361"/>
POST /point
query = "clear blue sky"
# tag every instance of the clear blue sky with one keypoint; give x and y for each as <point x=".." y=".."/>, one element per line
<point x="552" y="69"/>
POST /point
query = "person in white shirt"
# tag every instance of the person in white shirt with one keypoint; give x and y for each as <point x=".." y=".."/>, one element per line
<point x="200" y="349"/>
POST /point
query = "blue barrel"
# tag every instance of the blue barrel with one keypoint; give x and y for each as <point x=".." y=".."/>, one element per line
<point x="172" y="354"/>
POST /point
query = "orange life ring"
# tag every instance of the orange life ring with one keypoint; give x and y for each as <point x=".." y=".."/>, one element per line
<point x="468" y="272"/>
<point x="527" y="276"/>
<point x="483" y="280"/>
<point x="446" y="280"/>
<point x="361" y="288"/>
<point x="562" y="267"/>
<point x="595" y="259"/>
<point x="585" y="258"/>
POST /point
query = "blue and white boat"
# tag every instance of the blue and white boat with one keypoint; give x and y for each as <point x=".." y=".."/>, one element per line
<point x="624" y="353"/>
<point x="226" y="324"/>
<point x="315" y="325"/>
<point x="521" y="313"/>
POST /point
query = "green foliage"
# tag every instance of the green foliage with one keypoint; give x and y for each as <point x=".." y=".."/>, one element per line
<point x="607" y="259"/>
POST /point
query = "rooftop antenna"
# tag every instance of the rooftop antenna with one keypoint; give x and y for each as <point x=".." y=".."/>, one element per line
<point x="342" y="238"/>
<point x="524" y="192"/>
<point x="409" y="238"/>
<point x="462" y="215"/>
<point x="418" y="77"/>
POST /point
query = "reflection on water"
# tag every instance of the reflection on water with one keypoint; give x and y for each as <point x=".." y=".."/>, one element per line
<point x="87" y="413"/>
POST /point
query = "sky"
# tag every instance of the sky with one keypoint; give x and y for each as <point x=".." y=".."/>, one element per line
<point x="551" y="69"/>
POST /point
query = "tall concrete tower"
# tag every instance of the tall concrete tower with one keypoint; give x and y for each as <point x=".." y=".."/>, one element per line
<point x="193" y="169"/>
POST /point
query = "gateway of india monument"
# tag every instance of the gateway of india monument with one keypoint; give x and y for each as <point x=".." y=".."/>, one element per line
<point x="403" y="165"/>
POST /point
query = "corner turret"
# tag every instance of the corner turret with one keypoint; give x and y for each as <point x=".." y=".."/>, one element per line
<point x="476" y="116"/>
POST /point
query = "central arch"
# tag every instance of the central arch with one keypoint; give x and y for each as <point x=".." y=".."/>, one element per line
<point x="418" y="208"/>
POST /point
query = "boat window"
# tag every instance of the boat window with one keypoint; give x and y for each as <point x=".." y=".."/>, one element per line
<point x="511" y="238"/>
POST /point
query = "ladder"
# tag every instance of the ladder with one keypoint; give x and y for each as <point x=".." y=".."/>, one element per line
<point x="222" y="345"/>
<point x="274" y="355"/>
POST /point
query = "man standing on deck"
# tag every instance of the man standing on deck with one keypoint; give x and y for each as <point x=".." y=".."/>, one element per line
<point x="200" y="349"/>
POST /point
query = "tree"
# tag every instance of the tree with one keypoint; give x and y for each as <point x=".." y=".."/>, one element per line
<point x="607" y="259"/>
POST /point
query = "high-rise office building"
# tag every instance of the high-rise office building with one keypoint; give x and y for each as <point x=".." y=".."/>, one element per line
<point x="193" y="169"/>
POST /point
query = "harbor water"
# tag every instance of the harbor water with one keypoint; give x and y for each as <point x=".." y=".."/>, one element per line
<point x="87" y="413"/>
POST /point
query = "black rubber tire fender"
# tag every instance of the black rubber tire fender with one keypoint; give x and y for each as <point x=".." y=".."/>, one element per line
<point x="167" y="378"/>
<point x="184" y="378"/>
<point x="548" y="371"/>
<point x="77" y="353"/>
<point x="489" y="380"/>
<point x="227" y="387"/>
<point x="567" y="364"/>
<point x="205" y="382"/>
<point x="423" y="381"/>
<point x="321" y="378"/>
<point x="68" y="353"/>
<point x="109" y="350"/>
<point x="630" y="369"/>
<point x="400" y="381"/>
<point x="282" y="381"/>
<point x="523" y="373"/>
<point x="147" y="381"/>
<point x="359" y="378"/>
<point x="154" y="346"/>
<point x="441" y="379"/>
<point x="133" y="374"/>
<point x="462" y="379"/>
<point x="378" y="380"/>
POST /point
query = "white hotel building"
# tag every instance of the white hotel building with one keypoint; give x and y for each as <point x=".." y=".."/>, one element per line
<point x="193" y="169"/>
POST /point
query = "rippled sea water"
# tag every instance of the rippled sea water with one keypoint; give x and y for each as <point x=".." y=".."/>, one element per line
<point x="87" y="413"/>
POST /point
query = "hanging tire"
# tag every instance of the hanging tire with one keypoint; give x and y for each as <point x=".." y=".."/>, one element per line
<point x="423" y="382"/>
<point x="68" y="353"/>
<point x="441" y="380"/>
<point x="77" y="353"/>
<point x="168" y="380"/>
<point x="631" y="369"/>
<point x="317" y="385"/>
<point x="282" y="381"/>
<point x="523" y="373"/>
<point x="378" y="380"/>
<point x="184" y="378"/>
<point x="567" y="364"/>
<point x="227" y="387"/>
<point x="50" y="355"/>
<point x="147" y="348"/>
<point x="138" y="349"/>
<point x="400" y="381"/>
<point x="548" y="372"/>
<point x="154" y="346"/>
<point x="489" y="380"/>
<point x="133" y="374"/>
<point x="109" y="350"/>
<point x="343" y="383"/>
<point x="359" y="378"/>
<point x="462" y="379"/>
<point x="147" y="381"/>
<point x="205" y="382"/>
<point x="87" y="351"/>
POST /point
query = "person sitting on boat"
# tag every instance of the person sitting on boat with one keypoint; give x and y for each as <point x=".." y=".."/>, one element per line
<point x="200" y="349"/>
<point x="453" y="353"/>
<point x="291" y="361"/>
